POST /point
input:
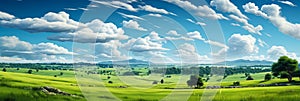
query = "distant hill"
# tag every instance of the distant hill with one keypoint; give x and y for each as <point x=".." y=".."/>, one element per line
<point x="242" y="62"/>
<point x="130" y="61"/>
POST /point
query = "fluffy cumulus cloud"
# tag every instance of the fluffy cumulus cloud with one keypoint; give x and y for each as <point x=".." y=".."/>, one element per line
<point x="133" y="25"/>
<point x="50" y="22"/>
<point x="276" y="51"/>
<point x="172" y="33"/>
<point x="14" y="48"/>
<point x="195" y="35"/>
<point x="95" y="31"/>
<point x="13" y="43"/>
<point x="109" y="51"/>
<point x="227" y="6"/>
<point x="242" y="45"/>
<point x="6" y="16"/>
<point x="150" y="43"/>
<point x="188" y="54"/>
<point x="272" y="13"/>
<point x="201" y="11"/>
<point x="236" y="14"/>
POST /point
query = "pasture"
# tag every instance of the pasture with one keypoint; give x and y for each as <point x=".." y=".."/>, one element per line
<point x="20" y="86"/>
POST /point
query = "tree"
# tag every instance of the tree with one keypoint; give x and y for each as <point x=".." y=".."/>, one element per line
<point x="18" y="68"/>
<point x="108" y="77"/>
<point x="162" y="81"/>
<point x="29" y="71"/>
<point x="61" y="73"/>
<point x="249" y="78"/>
<point x="236" y="83"/>
<point x="285" y="64"/>
<point x="4" y="69"/>
<point x="195" y="81"/>
<point x="268" y="77"/>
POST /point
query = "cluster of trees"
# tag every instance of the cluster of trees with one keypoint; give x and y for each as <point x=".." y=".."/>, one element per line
<point x="195" y="81"/>
<point x="286" y="68"/>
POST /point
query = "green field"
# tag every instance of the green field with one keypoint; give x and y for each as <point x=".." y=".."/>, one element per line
<point x="20" y="86"/>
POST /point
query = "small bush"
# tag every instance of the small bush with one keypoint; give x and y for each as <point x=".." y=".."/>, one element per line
<point x="162" y="81"/>
<point x="29" y="71"/>
<point x="249" y="78"/>
<point x="154" y="82"/>
<point x="236" y="83"/>
<point x="110" y="82"/>
<point x="55" y="75"/>
<point x="268" y="77"/>
<point x="4" y="70"/>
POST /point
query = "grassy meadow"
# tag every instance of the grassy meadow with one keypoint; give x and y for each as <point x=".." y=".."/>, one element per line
<point x="18" y="85"/>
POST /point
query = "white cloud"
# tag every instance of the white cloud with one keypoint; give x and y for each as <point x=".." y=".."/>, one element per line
<point x="228" y="7"/>
<point x="95" y="31"/>
<point x="130" y="16"/>
<point x="13" y="43"/>
<point x="188" y="54"/>
<point x="236" y="14"/>
<point x="116" y="4"/>
<point x="51" y="49"/>
<point x="50" y="22"/>
<point x="6" y="16"/>
<point x="133" y="25"/>
<point x="201" y="11"/>
<point x="13" y="48"/>
<point x="235" y="24"/>
<point x="150" y="43"/>
<point x="149" y="8"/>
<point x="262" y="43"/>
<point x="277" y="51"/>
<point x="198" y="23"/>
<point x="251" y="8"/>
<point x="155" y="15"/>
<point x="109" y="51"/>
<point x="250" y="28"/>
<point x="195" y="35"/>
<point x="173" y="33"/>
<point x="215" y="43"/>
<point x="242" y="45"/>
<point x="287" y="3"/>
<point x="272" y="13"/>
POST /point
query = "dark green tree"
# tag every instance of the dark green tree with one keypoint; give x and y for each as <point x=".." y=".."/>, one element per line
<point x="29" y="71"/>
<point x="285" y="64"/>
<point x="195" y="81"/>
<point x="162" y="81"/>
<point x="268" y="77"/>
<point x="4" y="69"/>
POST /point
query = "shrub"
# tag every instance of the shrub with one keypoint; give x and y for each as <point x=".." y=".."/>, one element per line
<point x="108" y="77"/>
<point x="249" y="78"/>
<point x="236" y="83"/>
<point x="154" y="82"/>
<point x="29" y="71"/>
<point x="4" y="69"/>
<point x="162" y="81"/>
<point x="268" y="76"/>
<point x="110" y="82"/>
<point x="61" y="73"/>
<point x="55" y="75"/>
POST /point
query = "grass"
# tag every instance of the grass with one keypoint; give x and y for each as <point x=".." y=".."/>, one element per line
<point x="19" y="85"/>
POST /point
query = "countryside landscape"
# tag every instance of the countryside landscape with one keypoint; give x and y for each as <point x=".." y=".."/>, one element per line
<point x="149" y="50"/>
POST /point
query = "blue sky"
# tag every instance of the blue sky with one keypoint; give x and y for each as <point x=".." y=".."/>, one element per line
<point x="171" y="31"/>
